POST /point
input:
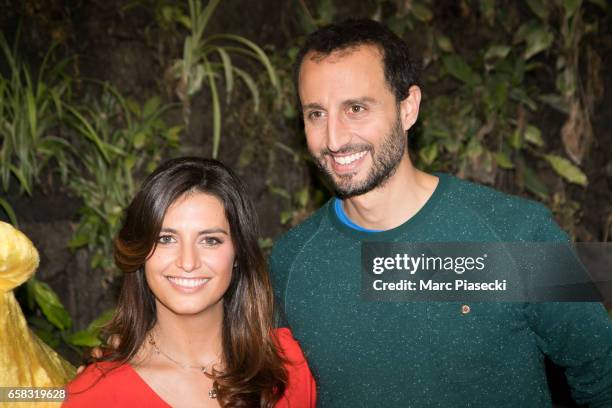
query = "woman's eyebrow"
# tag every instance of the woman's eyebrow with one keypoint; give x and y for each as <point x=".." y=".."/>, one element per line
<point x="202" y="232"/>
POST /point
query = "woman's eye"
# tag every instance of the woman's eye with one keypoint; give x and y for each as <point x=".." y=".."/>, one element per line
<point x="211" y="241"/>
<point x="166" y="239"/>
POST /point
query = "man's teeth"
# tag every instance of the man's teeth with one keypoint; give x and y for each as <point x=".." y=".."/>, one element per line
<point x="188" y="283"/>
<point x="349" y="159"/>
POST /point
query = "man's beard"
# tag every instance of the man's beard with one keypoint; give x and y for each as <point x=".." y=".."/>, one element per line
<point x="384" y="163"/>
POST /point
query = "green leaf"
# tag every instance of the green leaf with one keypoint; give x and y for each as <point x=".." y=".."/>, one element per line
<point x="150" y="107"/>
<point x="204" y="16"/>
<point x="570" y="7"/>
<point x="503" y="160"/>
<point x="261" y="55"/>
<point x="97" y="260"/>
<point x="281" y="192"/>
<point x="31" y="110"/>
<point x="285" y="216"/>
<point x="185" y="21"/>
<point x="538" y="40"/>
<point x="566" y="169"/>
<point x="326" y="11"/>
<point x="457" y="67"/>
<point x="133" y="106"/>
<point x="516" y="142"/>
<point x="227" y="69"/>
<point x="520" y="95"/>
<point x="250" y="83"/>
<point x="80" y="239"/>
<point x="216" y="105"/>
<point x="51" y="306"/>
<point x="173" y="134"/>
<point x="429" y="153"/>
<point x="84" y="338"/>
<point x="289" y="111"/>
<point x="451" y="145"/>
<point x="84" y="127"/>
<point x="474" y="148"/>
<point x="196" y="76"/>
<point x="129" y="163"/>
<point x="539" y="8"/>
<point x="139" y="139"/>
<point x="567" y="82"/>
<point x="534" y="136"/>
<point x="96" y="325"/>
<point x="50" y="338"/>
<point x="444" y="43"/>
<point x="533" y="183"/>
<point x="9" y="212"/>
<point x="555" y="101"/>
<point x="487" y="8"/>
<point x="301" y="197"/>
<point x="421" y="12"/>
<point x="497" y="51"/>
<point x="397" y="25"/>
<point x="23" y="181"/>
<point x="498" y="94"/>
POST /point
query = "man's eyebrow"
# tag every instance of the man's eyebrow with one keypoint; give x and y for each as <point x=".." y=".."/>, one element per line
<point x="202" y="232"/>
<point x="312" y="106"/>
<point x="356" y="101"/>
<point x="348" y="102"/>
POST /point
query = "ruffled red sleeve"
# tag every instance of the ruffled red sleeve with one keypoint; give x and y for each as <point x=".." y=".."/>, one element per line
<point x="301" y="391"/>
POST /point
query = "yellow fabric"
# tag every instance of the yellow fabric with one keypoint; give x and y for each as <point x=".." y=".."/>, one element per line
<point x="18" y="257"/>
<point x="25" y="361"/>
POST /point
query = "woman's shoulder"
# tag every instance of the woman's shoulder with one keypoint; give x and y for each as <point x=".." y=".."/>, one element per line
<point x="288" y="345"/>
<point x="98" y="384"/>
<point x="103" y="372"/>
<point x="301" y="388"/>
<point x="105" y="384"/>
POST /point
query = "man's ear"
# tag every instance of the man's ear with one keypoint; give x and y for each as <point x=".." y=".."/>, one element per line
<point x="409" y="107"/>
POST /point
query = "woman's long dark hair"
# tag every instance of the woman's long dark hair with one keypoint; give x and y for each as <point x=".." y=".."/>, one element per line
<point x="253" y="373"/>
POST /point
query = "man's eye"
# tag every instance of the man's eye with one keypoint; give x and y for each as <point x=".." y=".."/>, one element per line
<point x="315" y="115"/>
<point x="357" y="109"/>
<point x="166" y="239"/>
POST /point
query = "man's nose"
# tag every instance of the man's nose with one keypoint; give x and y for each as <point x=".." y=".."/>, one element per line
<point x="337" y="133"/>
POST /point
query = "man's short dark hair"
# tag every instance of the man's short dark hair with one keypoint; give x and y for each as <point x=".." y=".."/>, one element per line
<point x="400" y="71"/>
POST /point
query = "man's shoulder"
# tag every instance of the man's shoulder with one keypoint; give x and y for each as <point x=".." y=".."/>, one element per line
<point x="511" y="215"/>
<point x="288" y="246"/>
<point x="487" y="200"/>
<point x="297" y="236"/>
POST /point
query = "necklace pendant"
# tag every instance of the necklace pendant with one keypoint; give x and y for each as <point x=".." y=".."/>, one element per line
<point x="212" y="393"/>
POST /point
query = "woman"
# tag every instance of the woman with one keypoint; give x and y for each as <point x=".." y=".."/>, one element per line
<point x="196" y="307"/>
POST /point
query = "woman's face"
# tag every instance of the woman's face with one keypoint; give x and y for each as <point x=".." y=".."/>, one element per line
<point x="191" y="268"/>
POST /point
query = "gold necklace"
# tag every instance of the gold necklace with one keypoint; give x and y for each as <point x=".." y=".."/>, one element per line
<point x="212" y="393"/>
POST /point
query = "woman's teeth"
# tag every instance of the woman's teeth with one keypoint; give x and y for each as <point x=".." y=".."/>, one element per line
<point x="188" y="283"/>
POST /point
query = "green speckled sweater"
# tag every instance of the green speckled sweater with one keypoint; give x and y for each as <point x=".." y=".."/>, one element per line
<point x="425" y="354"/>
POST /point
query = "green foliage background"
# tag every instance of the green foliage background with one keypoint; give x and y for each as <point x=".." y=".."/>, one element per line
<point x="496" y="74"/>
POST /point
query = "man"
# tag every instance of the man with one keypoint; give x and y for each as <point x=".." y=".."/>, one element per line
<point x="359" y="98"/>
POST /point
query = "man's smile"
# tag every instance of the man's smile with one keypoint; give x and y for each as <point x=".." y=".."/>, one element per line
<point x="344" y="164"/>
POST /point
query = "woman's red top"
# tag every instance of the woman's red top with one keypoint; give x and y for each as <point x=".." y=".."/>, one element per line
<point x="98" y="386"/>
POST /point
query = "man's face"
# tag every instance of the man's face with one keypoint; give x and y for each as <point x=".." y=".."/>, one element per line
<point x="353" y="124"/>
